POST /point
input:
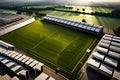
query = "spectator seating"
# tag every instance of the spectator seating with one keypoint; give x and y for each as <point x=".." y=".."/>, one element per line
<point x="80" y="26"/>
<point x="106" y="56"/>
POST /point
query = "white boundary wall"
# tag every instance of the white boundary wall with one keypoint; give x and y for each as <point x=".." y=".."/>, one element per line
<point x="14" y="27"/>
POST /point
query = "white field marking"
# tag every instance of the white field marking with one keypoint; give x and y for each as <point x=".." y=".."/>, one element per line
<point x="67" y="45"/>
<point x="79" y="61"/>
<point x="44" y="40"/>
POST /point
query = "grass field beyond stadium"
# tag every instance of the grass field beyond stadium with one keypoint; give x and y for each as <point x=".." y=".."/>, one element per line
<point x="61" y="46"/>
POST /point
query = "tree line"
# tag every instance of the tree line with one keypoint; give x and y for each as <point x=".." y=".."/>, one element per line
<point x="115" y="13"/>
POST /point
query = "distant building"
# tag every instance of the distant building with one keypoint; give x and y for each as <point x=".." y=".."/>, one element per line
<point x="10" y="22"/>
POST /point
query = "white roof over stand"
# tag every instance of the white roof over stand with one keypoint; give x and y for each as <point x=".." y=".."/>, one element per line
<point x="42" y="76"/>
<point x="52" y="19"/>
<point x="8" y="52"/>
<point x="80" y="26"/>
<point x="38" y="66"/>
<point x="18" y="56"/>
<point x="98" y="55"/>
<point x="97" y="30"/>
<point x="116" y="75"/>
<point x="98" y="26"/>
<point x="55" y="20"/>
<point x="29" y="61"/>
<point x="106" y="70"/>
<point x="14" y="78"/>
<point x="89" y="27"/>
<point x="62" y="21"/>
<point x="93" y="28"/>
<point x="10" y="64"/>
<point x="76" y="24"/>
<point x="13" y="55"/>
<point x="33" y="63"/>
<point x="84" y="27"/>
<point x="108" y="35"/>
<point x="114" y="48"/>
<point x="116" y="40"/>
<point x="51" y="78"/>
<point x="69" y="22"/>
<point x="25" y="59"/>
<point x="5" y="44"/>
<point x="58" y="20"/>
<point x="107" y="38"/>
<point x="114" y="54"/>
<point x="115" y="37"/>
<point x="104" y="45"/>
<point x="65" y="21"/>
<point x="4" y="51"/>
<point x="111" y="61"/>
<point x="94" y="64"/>
<point x="72" y="23"/>
<point x="105" y="41"/>
<point x="49" y="18"/>
<point x="5" y="61"/>
<point x="102" y="50"/>
<point x="1" y="49"/>
<point x="115" y="44"/>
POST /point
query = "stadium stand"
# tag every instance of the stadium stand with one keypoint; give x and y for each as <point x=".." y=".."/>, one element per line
<point x="7" y="45"/>
<point x="93" y="64"/>
<point x="6" y="18"/>
<point x="84" y="27"/>
<point x="21" y="65"/>
<point x="99" y="56"/>
<point x="106" y="56"/>
<point x="10" y="22"/>
<point x="5" y="77"/>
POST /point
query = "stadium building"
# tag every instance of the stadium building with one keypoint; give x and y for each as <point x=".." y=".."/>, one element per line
<point x="104" y="58"/>
<point x="10" y="22"/>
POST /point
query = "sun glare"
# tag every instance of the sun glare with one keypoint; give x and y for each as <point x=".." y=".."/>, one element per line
<point x="86" y="1"/>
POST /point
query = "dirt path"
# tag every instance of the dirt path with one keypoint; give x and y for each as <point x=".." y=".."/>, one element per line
<point x="108" y="31"/>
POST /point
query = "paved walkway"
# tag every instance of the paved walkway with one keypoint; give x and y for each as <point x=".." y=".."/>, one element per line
<point x="108" y="31"/>
<point x="52" y="73"/>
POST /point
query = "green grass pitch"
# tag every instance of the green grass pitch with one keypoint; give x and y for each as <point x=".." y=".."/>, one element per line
<point x="61" y="46"/>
